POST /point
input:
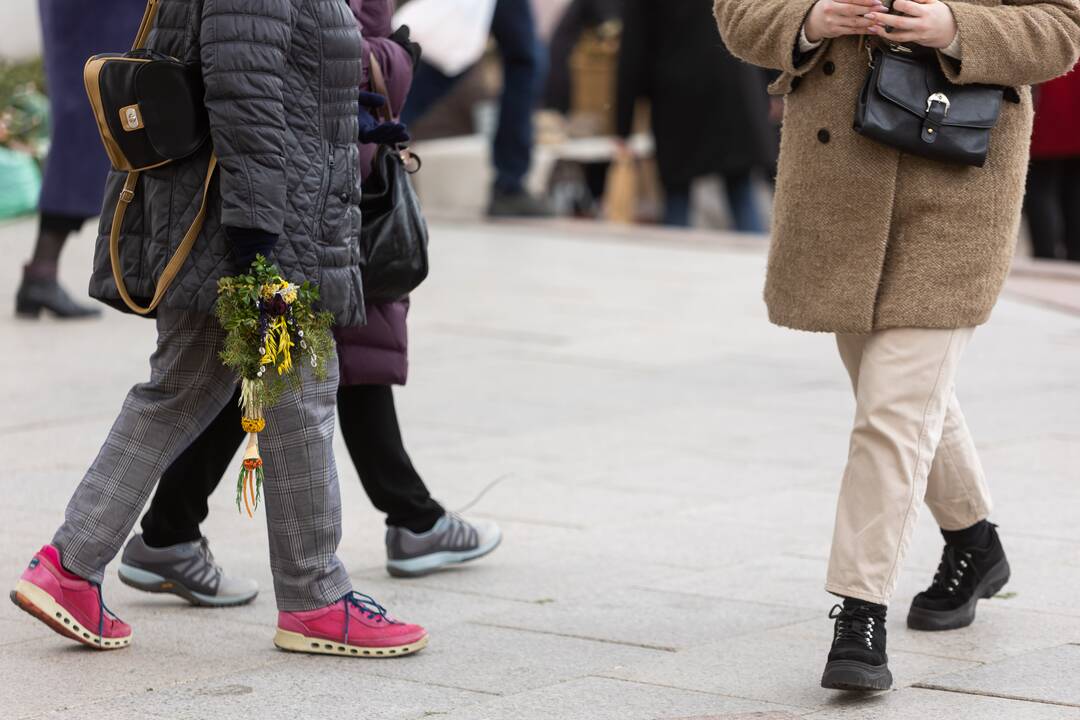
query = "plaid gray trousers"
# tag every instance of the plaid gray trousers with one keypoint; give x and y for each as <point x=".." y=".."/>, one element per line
<point x="188" y="387"/>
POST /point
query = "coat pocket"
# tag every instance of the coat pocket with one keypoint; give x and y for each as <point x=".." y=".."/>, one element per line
<point x="339" y="208"/>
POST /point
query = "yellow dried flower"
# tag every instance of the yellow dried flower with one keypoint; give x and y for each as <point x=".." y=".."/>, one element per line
<point x="253" y="425"/>
<point x="273" y="288"/>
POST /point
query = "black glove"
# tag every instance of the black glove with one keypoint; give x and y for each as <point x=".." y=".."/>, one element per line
<point x="246" y="243"/>
<point x="375" y="132"/>
<point x="401" y="37"/>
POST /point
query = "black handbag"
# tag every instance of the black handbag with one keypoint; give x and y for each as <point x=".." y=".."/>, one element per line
<point x="149" y="110"/>
<point x="909" y="104"/>
<point x="393" y="232"/>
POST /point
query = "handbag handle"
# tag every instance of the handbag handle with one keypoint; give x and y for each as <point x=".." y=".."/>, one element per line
<point x="127" y="194"/>
<point x="378" y="84"/>
<point x="172" y="269"/>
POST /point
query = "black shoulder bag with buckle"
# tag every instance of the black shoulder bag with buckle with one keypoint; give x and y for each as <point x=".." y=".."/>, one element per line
<point x="149" y="110"/>
<point x="393" y="233"/>
<point x="909" y="104"/>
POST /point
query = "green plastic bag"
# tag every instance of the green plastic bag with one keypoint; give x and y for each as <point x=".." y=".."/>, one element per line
<point x="20" y="183"/>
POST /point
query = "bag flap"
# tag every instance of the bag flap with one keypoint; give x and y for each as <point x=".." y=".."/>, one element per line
<point x="909" y="83"/>
<point x="170" y="97"/>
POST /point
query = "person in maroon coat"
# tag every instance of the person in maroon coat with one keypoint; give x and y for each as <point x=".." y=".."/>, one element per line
<point x="171" y="555"/>
<point x="1052" y="203"/>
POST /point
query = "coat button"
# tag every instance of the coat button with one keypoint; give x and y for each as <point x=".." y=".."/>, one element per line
<point x="829" y="67"/>
<point x="344" y="197"/>
<point x="823" y="135"/>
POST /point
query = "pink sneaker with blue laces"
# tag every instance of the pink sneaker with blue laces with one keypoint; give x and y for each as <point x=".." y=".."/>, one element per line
<point x="68" y="604"/>
<point x="355" y="626"/>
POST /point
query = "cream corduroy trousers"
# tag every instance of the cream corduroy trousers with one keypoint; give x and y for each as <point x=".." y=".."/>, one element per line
<point x="910" y="444"/>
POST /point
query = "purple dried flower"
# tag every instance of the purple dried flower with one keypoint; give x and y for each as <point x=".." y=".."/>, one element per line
<point x="275" y="306"/>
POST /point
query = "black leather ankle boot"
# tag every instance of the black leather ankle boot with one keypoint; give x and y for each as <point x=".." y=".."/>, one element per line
<point x="40" y="291"/>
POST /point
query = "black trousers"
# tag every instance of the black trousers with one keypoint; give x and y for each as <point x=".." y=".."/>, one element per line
<point x="369" y="425"/>
<point x="1052" y="205"/>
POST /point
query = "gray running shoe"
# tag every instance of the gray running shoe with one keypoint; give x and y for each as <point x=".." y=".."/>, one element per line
<point x="187" y="570"/>
<point x="451" y="541"/>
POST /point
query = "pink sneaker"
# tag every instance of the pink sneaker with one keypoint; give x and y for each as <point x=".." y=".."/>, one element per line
<point x="68" y="604"/>
<point x="355" y="625"/>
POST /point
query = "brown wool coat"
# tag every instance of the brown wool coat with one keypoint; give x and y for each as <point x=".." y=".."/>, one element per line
<point x="866" y="238"/>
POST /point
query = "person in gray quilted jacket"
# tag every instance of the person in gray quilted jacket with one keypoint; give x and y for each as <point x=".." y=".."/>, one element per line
<point x="282" y="79"/>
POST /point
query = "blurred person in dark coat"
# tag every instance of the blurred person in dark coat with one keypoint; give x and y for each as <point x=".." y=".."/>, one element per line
<point x="710" y="111"/>
<point x="524" y="64"/>
<point x="1052" y="203"/>
<point x="75" y="170"/>
<point x="578" y="17"/>
<point x="421" y="535"/>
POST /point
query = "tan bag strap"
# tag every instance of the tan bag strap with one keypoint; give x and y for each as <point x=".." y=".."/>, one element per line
<point x="147" y="22"/>
<point x="378" y="84"/>
<point x="179" y="257"/>
<point x="172" y="269"/>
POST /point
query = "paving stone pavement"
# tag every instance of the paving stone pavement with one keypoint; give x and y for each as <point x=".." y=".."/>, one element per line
<point x="663" y="462"/>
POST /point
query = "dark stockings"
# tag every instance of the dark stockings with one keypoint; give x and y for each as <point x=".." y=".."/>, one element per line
<point x="53" y="232"/>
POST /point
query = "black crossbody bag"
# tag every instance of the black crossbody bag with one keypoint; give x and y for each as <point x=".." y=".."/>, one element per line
<point x="909" y="104"/>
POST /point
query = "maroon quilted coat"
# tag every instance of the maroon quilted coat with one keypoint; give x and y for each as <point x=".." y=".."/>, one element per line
<point x="377" y="353"/>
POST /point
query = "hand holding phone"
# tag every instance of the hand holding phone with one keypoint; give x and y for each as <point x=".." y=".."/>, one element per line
<point x="836" y="18"/>
<point x="929" y="23"/>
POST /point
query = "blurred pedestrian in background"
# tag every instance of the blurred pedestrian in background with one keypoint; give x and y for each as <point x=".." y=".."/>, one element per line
<point x="579" y="16"/>
<point x="1053" y="190"/>
<point x="171" y="554"/>
<point x="76" y="167"/>
<point x="901" y="257"/>
<point x="523" y="63"/>
<point x="710" y="111"/>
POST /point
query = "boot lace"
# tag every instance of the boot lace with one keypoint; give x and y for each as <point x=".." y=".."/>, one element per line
<point x="856" y="624"/>
<point x="955" y="565"/>
<point x="367" y="606"/>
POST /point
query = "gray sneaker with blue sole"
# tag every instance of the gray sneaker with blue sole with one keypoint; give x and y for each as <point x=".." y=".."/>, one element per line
<point x="187" y="570"/>
<point x="453" y="540"/>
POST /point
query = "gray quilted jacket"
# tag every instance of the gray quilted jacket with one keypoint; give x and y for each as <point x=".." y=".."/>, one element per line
<point x="282" y="80"/>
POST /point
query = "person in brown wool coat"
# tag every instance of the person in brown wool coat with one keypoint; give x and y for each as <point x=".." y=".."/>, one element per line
<point x="901" y="257"/>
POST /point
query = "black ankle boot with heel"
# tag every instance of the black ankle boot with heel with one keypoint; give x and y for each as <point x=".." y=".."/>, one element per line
<point x="973" y="567"/>
<point x="40" y="292"/>
<point x="857" y="660"/>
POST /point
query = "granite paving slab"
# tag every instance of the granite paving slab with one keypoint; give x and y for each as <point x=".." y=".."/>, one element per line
<point x="782" y="665"/>
<point x="595" y="698"/>
<point x="1051" y="675"/>
<point x="911" y="703"/>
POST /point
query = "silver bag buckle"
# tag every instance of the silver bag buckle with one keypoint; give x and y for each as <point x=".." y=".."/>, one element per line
<point x="938" y="98"/>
